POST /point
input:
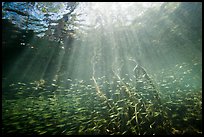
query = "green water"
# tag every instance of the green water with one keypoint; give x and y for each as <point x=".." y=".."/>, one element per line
<point x="80" y="69"/>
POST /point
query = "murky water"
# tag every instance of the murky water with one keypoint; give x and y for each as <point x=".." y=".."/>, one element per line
<point x="101" y="68"/>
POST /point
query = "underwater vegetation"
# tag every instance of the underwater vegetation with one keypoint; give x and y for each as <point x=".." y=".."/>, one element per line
<point x="119" y="107"/>
<point x="101" y="68"/>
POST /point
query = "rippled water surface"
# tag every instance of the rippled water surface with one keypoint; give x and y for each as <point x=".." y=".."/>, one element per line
<point x="102" y="68"/>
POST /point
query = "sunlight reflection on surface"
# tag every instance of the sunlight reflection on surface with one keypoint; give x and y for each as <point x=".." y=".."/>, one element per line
<point x="109" y="11"/>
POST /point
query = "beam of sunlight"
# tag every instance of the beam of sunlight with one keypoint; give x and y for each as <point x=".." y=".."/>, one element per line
<point x="114" y="68"/>
<point x="18" y="63"/>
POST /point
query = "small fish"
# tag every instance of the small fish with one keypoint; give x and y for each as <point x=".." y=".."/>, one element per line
<point x="163" y="85"/>
<point x="23" y="44"/>
<point x="105" y="107"/>
<point x="187" y="85"/>
<point x="189" y="70"/>
<point x="53" y="84"/>
<point x="12" y="85"/>
<point x="168" y="108"/>
<point x="171" y="76"/>
<point x="174" y="81"/>
<point x="81" y="81"/>
<point x="69" y="79"/>
<point x="117" y="93"/>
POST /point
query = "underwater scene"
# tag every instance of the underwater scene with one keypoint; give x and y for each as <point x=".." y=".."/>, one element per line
<point x="91" y="68"/>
